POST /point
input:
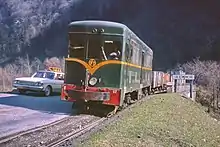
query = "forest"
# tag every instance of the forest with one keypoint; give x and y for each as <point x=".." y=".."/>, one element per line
<point x="176" y="31"/>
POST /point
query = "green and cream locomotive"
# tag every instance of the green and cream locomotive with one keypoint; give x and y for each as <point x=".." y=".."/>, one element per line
<point x="107" y="66"/>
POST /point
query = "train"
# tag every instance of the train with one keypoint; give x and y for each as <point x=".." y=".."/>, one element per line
<point x="108" y="67"/>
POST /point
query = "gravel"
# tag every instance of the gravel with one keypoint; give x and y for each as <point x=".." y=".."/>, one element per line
<point x="45" y="136"/>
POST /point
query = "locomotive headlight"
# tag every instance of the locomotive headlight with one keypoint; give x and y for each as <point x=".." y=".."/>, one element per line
<point x="93" y="81"/>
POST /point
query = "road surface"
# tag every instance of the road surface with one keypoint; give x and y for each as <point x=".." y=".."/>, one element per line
<point x="21" y="112"/>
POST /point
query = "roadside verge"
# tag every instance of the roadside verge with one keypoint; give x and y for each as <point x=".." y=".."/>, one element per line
<point x="163" y="120"/>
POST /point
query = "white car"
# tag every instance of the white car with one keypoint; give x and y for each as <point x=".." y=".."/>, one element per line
<point x="41" y="81"/>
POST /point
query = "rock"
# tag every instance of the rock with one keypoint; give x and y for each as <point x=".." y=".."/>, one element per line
<point x="41" y="142"/>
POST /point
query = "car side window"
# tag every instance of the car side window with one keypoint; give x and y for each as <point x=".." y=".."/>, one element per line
<point x="62" y="77"/>
<point x="59" y="77"/>
<point x="50" y="75"/>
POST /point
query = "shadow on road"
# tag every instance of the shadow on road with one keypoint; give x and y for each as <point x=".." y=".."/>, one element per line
<point x="35" y="94"/>
<point x="52" y="104"/>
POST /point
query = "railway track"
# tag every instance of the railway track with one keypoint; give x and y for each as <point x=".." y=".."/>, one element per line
<point x="76" y="133"/>
<point x="52" y="134"/>
<point x="5" y="139"/>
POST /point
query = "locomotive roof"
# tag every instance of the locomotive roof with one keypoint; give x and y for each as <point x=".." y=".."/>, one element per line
<point x="102" y="23"/>
<point x="99" y="23"/>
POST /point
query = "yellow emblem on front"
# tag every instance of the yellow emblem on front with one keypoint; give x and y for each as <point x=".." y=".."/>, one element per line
<point x="92" y="62"/>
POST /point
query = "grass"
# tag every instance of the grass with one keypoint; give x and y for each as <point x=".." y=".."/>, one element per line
<point x="164" y="120"/>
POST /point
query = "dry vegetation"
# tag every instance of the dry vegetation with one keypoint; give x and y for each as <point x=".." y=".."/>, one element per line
<point x="207" y="79"/>
<point x="25" y="67"/>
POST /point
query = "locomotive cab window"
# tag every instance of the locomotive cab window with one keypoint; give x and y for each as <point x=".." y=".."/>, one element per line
<point x="113" y="49"/>
<point x="95" y="47"/>
<point x="104" y="48"/>
<point x="77" y="45"/>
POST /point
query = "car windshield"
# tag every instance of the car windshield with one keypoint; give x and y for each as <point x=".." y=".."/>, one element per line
<point x="49" y="75"/>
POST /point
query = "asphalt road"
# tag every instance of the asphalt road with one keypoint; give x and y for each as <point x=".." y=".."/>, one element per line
<point x="21" y="112"/>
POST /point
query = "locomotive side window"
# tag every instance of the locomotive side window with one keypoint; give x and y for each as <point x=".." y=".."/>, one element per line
<point x="139" y="57"/>
<point x="146" y="60"/>
<point x="136" y="52"/>
<point x="149" y="60"/>
<point x="128" y="52"/>
<point x="77" y="45"/>
<point x="136" y="56"/>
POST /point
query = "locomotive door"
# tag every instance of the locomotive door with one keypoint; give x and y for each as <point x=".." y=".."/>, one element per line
<point x="142" y="65"/>
<point x="93" y="53"/>
<point x="77" y="49"/>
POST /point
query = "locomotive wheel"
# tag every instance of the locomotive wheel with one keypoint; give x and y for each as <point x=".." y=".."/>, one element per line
<point x="124" y="105"/>
<point x="112" y="112"/>
<point x="79" y="106"/>
<point x="146" y="92"/>
<point x="128" y="99"/>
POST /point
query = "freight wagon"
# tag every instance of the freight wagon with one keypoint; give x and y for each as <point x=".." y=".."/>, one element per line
<point x="160" y="80"/>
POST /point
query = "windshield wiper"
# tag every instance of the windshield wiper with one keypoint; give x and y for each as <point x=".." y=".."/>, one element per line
<point x="76" y="47"/>
<point x="103" y="52"/>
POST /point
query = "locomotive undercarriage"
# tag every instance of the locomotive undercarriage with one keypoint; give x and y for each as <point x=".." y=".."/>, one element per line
<point x="100" y="109"/>
<point x="104" y="110"/>
<point x="134" y="96"/>
<point x="95" y="108"/>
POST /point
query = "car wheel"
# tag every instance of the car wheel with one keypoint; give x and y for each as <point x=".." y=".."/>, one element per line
<point x="22" y="91"/>
<point x="48" y="91"/>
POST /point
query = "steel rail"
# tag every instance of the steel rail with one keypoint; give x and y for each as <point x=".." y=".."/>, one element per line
<point x="77" y="132"/>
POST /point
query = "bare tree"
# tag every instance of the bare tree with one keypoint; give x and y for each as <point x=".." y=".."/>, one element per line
<point x="2" y="79"/>
<point x="54" y="62"/>
<point x="36" y="64"/>
<point x="207" y="78"/>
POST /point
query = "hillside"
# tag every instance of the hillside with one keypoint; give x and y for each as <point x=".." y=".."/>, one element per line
<point x="176" y="31"/>
<point x="164" y="120"/>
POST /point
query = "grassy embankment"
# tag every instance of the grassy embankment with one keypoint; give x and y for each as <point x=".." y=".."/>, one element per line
<point x="164" y="120"/>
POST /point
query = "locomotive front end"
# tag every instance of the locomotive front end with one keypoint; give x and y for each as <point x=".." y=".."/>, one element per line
<point x="93" y="65"/>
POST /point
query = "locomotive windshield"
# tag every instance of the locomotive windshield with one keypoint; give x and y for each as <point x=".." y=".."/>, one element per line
<point x="95" y="46"/>
<point x="77" y="46"/>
